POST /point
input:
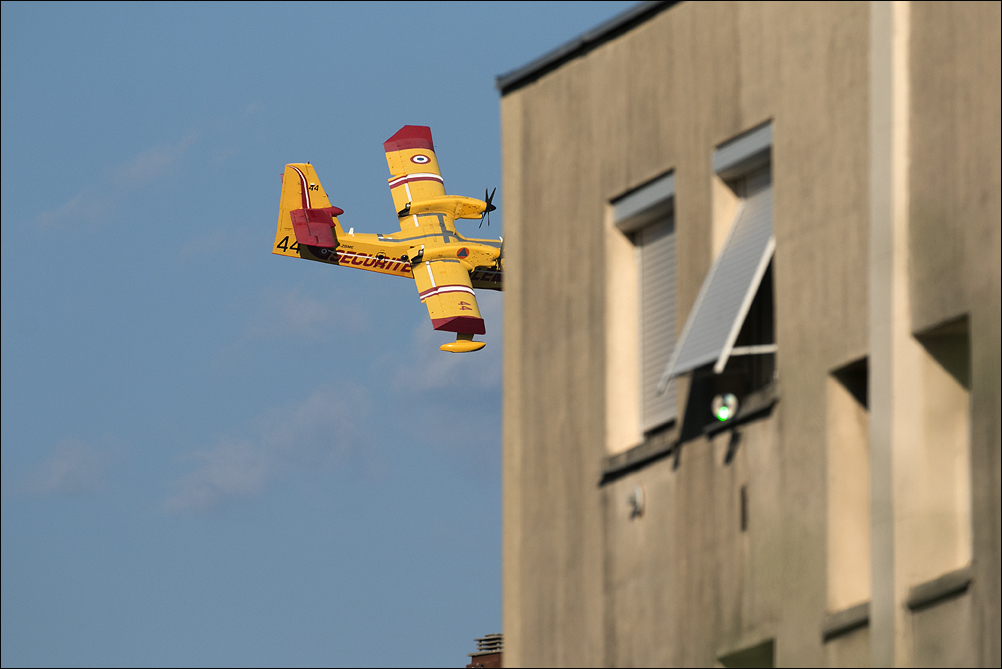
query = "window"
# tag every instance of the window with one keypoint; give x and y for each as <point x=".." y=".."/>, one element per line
<point x="731" y="327"/>
<point x="848" y="473"/>
<point x="939" y="462"/>
<point x="750" y="363"/>
<point x="646" y="215"/>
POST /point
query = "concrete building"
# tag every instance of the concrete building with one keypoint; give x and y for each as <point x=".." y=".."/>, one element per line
<point x="798" y="205"/>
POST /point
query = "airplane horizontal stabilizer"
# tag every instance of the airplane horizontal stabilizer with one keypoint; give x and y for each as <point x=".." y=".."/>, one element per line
<point x="315" y="227"/>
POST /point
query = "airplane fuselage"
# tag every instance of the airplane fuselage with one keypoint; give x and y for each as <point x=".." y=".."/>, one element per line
<point x="394" y="253"/>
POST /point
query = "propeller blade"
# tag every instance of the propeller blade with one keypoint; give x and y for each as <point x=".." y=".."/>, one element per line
<point x="489" y="208"/>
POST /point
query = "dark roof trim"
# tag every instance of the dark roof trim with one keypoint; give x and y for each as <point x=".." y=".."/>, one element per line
<point x="579" y="46"/>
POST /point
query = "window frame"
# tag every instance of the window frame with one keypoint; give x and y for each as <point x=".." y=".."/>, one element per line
<point x="748" y="155"/>
<point x="649" y="205"/>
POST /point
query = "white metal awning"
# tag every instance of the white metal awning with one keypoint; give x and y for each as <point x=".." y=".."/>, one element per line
<point x="728" y="290"/>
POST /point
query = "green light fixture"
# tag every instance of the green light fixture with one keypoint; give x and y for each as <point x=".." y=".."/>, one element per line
<point x="724" y="406"/>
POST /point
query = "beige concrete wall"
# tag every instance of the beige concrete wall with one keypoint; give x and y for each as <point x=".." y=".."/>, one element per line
<point x="850" y="650"/>
<point x="955" y="244"/>
<point x="685" y="585"/>
<point x="584" y="584"/>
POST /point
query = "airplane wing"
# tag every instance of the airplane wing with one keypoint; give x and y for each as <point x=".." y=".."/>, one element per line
<point x="415" y="175"/>
<point x="444" y="287"/>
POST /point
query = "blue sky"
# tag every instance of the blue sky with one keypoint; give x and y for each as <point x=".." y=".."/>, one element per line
<point x="210" y="454"/>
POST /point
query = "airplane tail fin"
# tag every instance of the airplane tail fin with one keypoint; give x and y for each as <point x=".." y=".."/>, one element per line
<point x="305" y="214"/>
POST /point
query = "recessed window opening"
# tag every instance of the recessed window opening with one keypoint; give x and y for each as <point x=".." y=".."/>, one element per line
<point x="941" y="455"/>
<point x="848" y="485"/>
<point x="731" y="329"/>
<point x="646" y="215"/>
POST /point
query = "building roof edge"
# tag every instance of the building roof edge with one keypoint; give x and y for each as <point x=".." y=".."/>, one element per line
<point x="579" y="46"/>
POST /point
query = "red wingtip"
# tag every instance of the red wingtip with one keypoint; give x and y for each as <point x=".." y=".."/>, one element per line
<point x="410" y="137"/>
<point x="460" y="325"/>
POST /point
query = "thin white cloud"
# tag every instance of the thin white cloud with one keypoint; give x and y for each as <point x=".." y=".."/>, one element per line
<point x="228" y="470"/>
<point x="95" y="202"/>
<point x="294" y="317"/>
<point x="309" y="436"/>
<point x="295" y="314"/>
<point x="231" y="133"/>
<point x="428" y="368"/>
<point x="219" y="241"/>
<point x="72" y="468"/>
<point x="153" y="163"/>
<point x="320" y="430"/>
<point x="86" y="206"/>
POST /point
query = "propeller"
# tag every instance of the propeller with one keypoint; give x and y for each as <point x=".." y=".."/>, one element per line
<point x="489" y="209"/>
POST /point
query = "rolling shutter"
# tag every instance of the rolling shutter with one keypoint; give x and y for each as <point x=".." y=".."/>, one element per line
<point x="656" y="244"/>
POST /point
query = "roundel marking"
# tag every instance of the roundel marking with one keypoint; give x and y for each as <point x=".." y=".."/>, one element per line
<point x="463" y="252"/>
<point x="420" y="159"/>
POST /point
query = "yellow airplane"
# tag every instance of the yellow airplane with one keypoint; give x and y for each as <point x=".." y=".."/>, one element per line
<point x="445" y="266"/>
